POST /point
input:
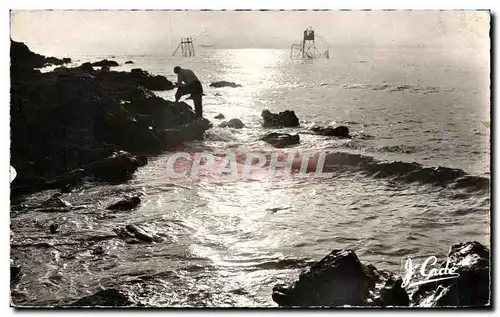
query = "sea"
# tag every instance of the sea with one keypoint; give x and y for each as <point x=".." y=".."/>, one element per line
<point x="413" y="180"/>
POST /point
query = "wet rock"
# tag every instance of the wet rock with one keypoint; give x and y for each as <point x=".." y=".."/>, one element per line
<point x="471" y="289"/>
<point x="286" y="118"/>
<point x="153" y="82"/>
<point x="105" y="298"/>
<point x="133" y="234"/>
<point x="127" y="203"/>
<point x="87" y="67"/>
<point x="341" y="279"/>
<point x="55" y="204"/>
<point x="281" y="140"/>
<point x="117" y="167"/>
<point x="67" y="181"/>
<point x="233" y="123"/>
<point x="129" y="62"/>
<point x="340" y="131"/>
<point x="219" y="116"/>
<point x="194" y="130"/>
<point x="53" y="228"/>
<point x="77" y="113"/>
<point x="223" y="83"/>
<point x="105" y="62"/>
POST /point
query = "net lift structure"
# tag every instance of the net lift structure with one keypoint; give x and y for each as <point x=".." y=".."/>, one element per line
<point x="186" y="46"/>
<point x="309" y="48"/>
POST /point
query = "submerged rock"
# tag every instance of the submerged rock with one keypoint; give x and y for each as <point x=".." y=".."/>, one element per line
<point x="55" y="204"/>
<point x="105" y="62"/>
<point x="127" y="203"/>
<point x="133" y="234"/>
<point x="471" y="289"/>
<point x="233" y="123"/>
<point x="283" y="119"/>
<point x="281" y="140"/>
<point x="223" y="83"/>
<point x="340" y="131"/>
<point x="105" y="298"/>
<point x="341" y="279"/>
<point x="219" y="116"/>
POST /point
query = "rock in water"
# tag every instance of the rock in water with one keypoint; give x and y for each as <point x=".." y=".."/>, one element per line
<point x="55" y="204"/>
<point x="219" y="116"/>
<point x="471" y="288"/>
<point x="283" y="119"/>
<point x="129" y="62"/>
<point x="281" y="140"/>
<point x="105" y="298"/>
<point x="53" y="228"/>
<point x="223" y="83"/>
<point x="341" y="279"/>
<point x="119" y="166"/>
<point x="127" y="203"/>
<point x="341" y="131"/>
<point x="133" y="234"/>
<point x="105" y="62"/>
<point x="233" y="123"/>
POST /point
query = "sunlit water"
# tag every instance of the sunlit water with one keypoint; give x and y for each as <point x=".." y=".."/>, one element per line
<point x="226" y="243"/>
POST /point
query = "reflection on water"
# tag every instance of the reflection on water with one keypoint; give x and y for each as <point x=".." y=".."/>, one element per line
<point x="226" y="243"/>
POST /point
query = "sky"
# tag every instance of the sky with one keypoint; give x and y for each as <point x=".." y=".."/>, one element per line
<point x="158" y="32"/>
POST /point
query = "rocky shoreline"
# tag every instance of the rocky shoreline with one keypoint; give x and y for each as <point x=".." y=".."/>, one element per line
<point x="341" y="280"/>
<point x="82" y="122"/>
<point x="87" y="124"/>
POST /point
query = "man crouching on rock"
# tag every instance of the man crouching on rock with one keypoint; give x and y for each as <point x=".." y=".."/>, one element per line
<point x="188" y="83"/>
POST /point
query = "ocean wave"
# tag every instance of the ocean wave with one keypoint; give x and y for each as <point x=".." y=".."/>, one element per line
<point x="407" y="172"/>
<point x="396" y="88"/>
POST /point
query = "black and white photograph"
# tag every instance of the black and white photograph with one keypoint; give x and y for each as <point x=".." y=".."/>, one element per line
<point x="250" y="158"/>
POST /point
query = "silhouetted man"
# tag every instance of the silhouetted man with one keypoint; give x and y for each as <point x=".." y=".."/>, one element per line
<point x="188" y="83"/>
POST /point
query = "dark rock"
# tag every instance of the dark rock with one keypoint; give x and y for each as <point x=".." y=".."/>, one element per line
<point x="283" y="119"/>
<point x="53" y="228"/>
<point x="341" y="131"/>
<point x="219" y="116"/>
<point x="341" y="279"/>
<point x="219" y="84"/>
<point x="80" y="116"/>
<point x="55" y="204"/>
<point x="471" y="289"/>
<point x="129" y="62"/>
<point x="151" y="82"/>
<point x="127" y="203"/>
<point x="22" y="58"/>
<point x="87" y="67"/>
<point x="104" y="298"/>
<point x="117" y="167"/>
<point x="105" y="62"/>
<point x="190" y="131"/>
<point x="233" y="123"/>
<point x="281" y="140"/>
